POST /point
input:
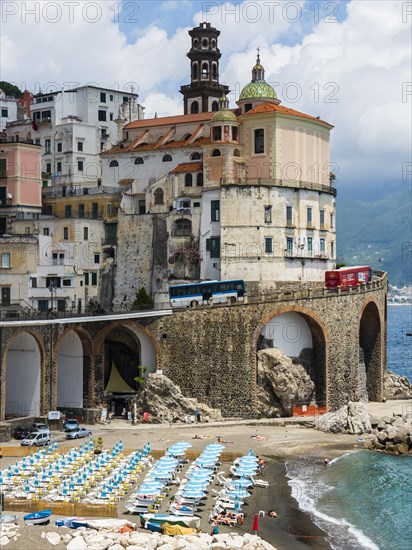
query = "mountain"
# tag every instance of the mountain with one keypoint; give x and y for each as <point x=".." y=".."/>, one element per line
<point x="377" y="233"/>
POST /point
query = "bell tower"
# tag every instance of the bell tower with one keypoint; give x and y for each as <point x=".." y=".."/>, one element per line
<point x="203" y="93"/>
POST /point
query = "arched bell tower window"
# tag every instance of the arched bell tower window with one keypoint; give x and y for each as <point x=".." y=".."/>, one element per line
<point x="195" y="43"/>
<point x="216" y="153"/>
<point x="194" y="107"/>
<point x="205" y="71"/>
<point x="234" y="133"/>
<point x="215" y="106"/>
<point x="248" y="107"/>
<point x="188" y="180"/>
<point x="195" y="71"/>
<point x="205" y="43"/>
<point x="213" y="43"/>
<point x="214" y="71"/>
<point x="159" y="196"/>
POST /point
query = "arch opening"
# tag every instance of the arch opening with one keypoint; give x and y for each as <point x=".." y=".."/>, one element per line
<point x="370" y="354"/>
<point x="70" y="380"/>
<point x="23" y="377"/>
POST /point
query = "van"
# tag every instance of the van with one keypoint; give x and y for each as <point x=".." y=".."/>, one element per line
<point x="36" y="439"/>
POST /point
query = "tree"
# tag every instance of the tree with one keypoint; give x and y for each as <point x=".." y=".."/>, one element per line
<point x="10" y="89"/>
<point x="142" y="301"/>
<point x="139" y="379"/>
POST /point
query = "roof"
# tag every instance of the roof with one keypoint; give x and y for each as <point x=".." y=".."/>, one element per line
<point x="264" y="108"/>
<point x="127" y="148"/>
<point x="258" y="90"/>
<point x="169" y="120"/>
<point x="224" y="116"/>
<point x="187" y="167"/>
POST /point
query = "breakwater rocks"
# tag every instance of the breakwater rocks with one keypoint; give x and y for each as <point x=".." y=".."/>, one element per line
<point x="351" y="418"/>
<point x="90" y="539"/>
<point x="396" y="386"/>
<point x="391" y="434"/>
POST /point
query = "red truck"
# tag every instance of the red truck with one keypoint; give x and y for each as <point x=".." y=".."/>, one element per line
<point x="348" y="276"/>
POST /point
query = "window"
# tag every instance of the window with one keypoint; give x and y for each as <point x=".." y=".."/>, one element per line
<point x="289" y="244"/>
<point x="80" y="165"/>
<point x="167" y="158"/>
<point x="33" y="282"/>
<point x="332" y="249"/>
<point x="59" y="147"/>
<point x="268" y="245"/>
<point x="217" y="133"/>
<point x="65" y="233"/>
<point x="182" y="227"/>
<point x="86" y="279"/>
<point x="85" y="233"/>
<point x="48" y="168"/>
<point x="199" y="179"/>
<point x="5" y="260"/>
<point x="109" y="209"/>
<point x="331" y="221"/>
<point x="103" y="133"/>
<point x="111" y="116"/>
<point x="37" y="142"/>
<point x="80" y="146"/>
<point x="81" y="211"/>
<point x="59" y="166"/>
<point x="95" y="210"/>
<point x="259" y="141"/>
<point x="322" y="218"/>
<point x="139" y="160"/>
<point x="188" y="180"/>
<point x="158" y="196"/>
<point x="215" y="106"/>
<point x="310" y="244"/>
<point x="111" y="97"/>
<point x="322" y="245"/>
<point x="142" y="206"/>
<point x="113" y="164"/>
<point x="268" y="214"/>
<point x="101" y="115"/>
<point x="195" y="71"/>
<point x="68" y="211"/>
<point x="94" y="278"/>
<point x="289" y="215"/>
<point x="67" y="282"/>
<point x="309" y="215"/>
<point x="214" y="72"/>
<point x="214" y="211"/>
<point x="216" y="153"/>
<point x="4" y="113"/>
<point x="3" y="168"/>
<point x="46" y="231"/>
<point x="234" y="134"/>
<point x="102" y="97"/>
<point x="205" y="71"/>
<point x="194" y="107"/>
<point x="47" y="146"/>
<point x="213" y="246"/>
<point x="125" y="99"/>
<point x="97" y="258"/>
<point x="42" y="305"/>
<point x="195" y="156"/>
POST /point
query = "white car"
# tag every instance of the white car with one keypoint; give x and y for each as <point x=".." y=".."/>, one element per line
<point x="80" y="432"/>
<point x="36" y="439"/>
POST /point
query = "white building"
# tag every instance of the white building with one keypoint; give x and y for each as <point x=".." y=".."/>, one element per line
<point x="8" y="109"/>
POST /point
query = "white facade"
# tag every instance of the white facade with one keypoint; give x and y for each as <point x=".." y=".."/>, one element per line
<point x="8" y="110"/>
<point x="210" y="229"/>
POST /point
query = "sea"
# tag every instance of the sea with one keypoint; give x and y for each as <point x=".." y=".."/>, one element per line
<point x="363" y="500"/>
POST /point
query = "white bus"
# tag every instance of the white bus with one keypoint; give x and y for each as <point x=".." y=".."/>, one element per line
<point x="209" y="292"/>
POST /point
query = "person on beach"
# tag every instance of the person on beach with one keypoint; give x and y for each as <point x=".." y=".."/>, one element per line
<point x="326" y="462"/>
<point x="215" y="528"/>
<point x="261" y="465"/>
<point x="272" y="514"/>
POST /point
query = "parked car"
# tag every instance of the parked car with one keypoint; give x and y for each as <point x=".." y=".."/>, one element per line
<point x="39" y="427"/>
<point x="36" y="439"/>
<point x="21" y="432"/>
<point x="80" y="432"/>
<point x="71" y="424"/>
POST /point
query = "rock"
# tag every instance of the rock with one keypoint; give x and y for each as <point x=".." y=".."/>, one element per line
<point x="378" y="446"/>
<point x="401" y="435"/>
<point x="382" y="436"/>
<point x="374" y="421"/>
<point x="53" y="538"/>
<point x="166" y="403"/>
<point x="219" y="545"/>
<point x="281" y="382"/>
<point x="43" y="535"/>
<point x="165" y="546"/>
<point x="391" y="431"/>
<point x="77" y="543"/>
<point x="4" y="541"/>
<point x="139" y="538"/>
<point x="133" y="547"/>
<point x="66" y="538"/>
<point x="396" y="387"/>
<point x="381" y="425"/>
<point x="390" y="447"/>
<point x="116" y="547"/>
<point x="401" y="448"/>
<point x="351" y="418"/>
<point x="386" y="419"/>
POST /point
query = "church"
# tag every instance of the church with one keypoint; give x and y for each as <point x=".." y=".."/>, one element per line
<point x="222" y="193"/>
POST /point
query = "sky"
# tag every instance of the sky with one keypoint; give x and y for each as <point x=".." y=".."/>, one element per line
<point x="348" y="62"/>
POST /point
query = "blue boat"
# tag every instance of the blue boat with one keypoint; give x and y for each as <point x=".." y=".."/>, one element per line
<point x="37" y="518"/>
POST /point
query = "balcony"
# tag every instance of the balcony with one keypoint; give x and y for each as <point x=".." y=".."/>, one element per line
<point x="302" y="253"/>
<point x="59" y="192"/>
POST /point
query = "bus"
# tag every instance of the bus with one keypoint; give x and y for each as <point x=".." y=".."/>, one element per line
<point x="348" y="276"/>
<point x="208" y="292"/>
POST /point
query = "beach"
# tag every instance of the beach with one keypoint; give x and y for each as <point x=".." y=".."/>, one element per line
<point x="277" y="440"/>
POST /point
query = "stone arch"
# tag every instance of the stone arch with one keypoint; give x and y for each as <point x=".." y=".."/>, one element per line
<point x="370" y="344"/>
<point x="73" y="369"/>
<point x="145" y="344"/>
<point x="23" y="389"/>
<point x="319" y="340"/>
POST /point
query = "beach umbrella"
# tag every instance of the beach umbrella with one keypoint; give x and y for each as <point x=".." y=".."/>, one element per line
<point x="255" y="524"/>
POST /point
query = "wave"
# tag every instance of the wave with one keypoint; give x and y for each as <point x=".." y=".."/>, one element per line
<point x="334" y="460"/>
<point x="343" y="535"/>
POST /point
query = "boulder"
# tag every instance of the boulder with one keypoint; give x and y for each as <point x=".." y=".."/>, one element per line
<point x="53" y="538"/>
<point x="382" y="436"/>
<point x="351" y="418"/>
<point x="391" y="431"/>
<point x="77" y="543"/>
<point x="281" y="382"/>
<point x="378" y="446"/>
<point x="401" y="435"/>
<point x="374" y="421"/>
<point x="390" y="447"/>
<point x="4" y="541"/>
<point x="396" y="386"/>
<point x="166" y="403"/>
<point x="381" y="425"/>
<point x="401" y="448"/>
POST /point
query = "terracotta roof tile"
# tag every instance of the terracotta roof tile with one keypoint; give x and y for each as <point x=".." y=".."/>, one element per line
<point x="187" y="167"/>
<point x="155" y="146"/>
<point x="263" y="108"/>
<point x="169" y="120"/>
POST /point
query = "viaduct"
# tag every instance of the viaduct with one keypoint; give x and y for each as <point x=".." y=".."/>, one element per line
<point x="210" y="352"/>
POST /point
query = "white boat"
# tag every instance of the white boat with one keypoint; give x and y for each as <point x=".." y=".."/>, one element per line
<point x="189" y="521"/>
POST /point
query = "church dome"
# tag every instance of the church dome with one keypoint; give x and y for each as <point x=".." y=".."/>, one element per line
<point x="258" y="90"/>
<point x="224" y="116"/>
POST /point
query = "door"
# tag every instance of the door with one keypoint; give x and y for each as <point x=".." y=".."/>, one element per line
<point x="5" y="295"/>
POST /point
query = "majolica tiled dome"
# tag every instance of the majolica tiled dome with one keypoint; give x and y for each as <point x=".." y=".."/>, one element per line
<point x="224" y="116"/>
<point x="258" y="90"/>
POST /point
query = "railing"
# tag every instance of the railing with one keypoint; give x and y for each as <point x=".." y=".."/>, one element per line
<point x="59" y="192"/>
<point x="293" y="184"/>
